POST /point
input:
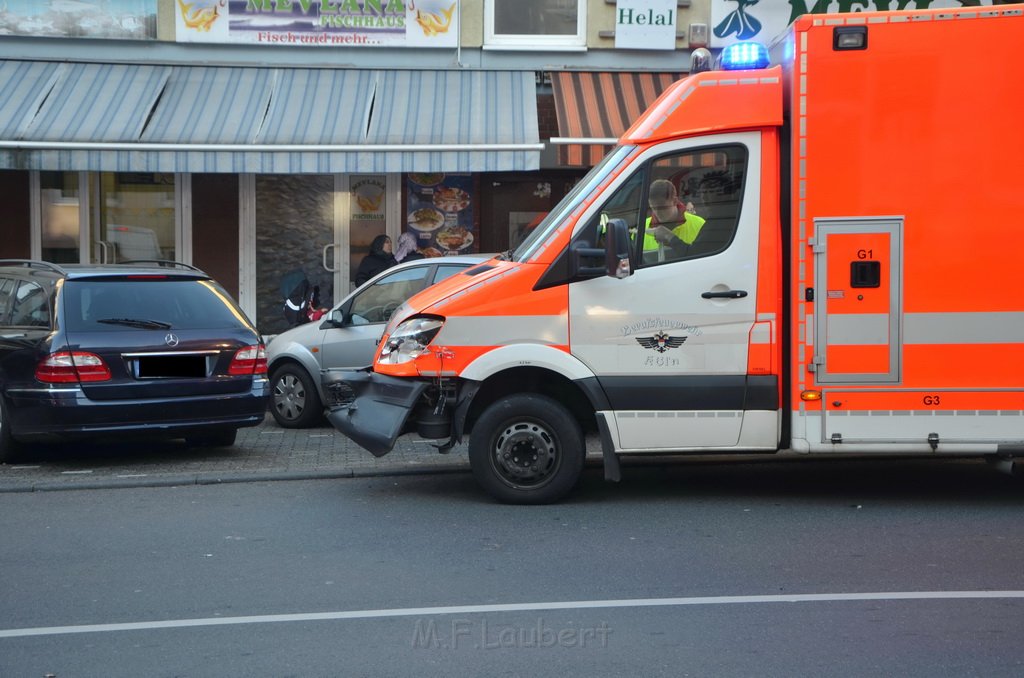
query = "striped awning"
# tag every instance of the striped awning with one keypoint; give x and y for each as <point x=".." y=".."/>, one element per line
<point x="146" y="118"/>
<point x="594" y="107"/>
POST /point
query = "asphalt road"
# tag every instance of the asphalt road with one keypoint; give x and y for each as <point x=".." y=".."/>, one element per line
<point x="866" y="569"/>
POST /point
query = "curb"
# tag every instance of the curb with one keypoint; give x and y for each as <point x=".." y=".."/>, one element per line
<point x="212" y="478"/>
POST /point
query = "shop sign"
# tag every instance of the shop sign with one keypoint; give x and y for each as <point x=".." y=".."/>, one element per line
<point x="440" y="213"/>
<point x="739" y="20"/>
<point x="368" y="199"/>
<point x="127" y="19"/>
<point x="320" y="23"/>
<point x="645" y="24"/>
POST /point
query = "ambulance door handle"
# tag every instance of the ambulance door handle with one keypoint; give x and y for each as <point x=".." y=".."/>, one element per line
<point x="731" y="294"/>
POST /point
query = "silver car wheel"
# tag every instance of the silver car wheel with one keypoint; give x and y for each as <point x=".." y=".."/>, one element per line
<point x="294" y="401"/>
<point x="289" y="396"/>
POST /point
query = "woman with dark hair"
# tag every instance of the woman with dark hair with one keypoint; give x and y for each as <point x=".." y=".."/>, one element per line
<point x="379" y="259"/>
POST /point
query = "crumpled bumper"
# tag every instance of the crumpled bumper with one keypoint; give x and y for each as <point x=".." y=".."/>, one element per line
<point x="369" y="408"/>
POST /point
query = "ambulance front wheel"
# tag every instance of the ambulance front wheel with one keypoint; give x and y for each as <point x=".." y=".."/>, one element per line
<point x="527" y="449"/>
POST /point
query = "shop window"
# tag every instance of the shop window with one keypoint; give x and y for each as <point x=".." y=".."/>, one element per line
<point x="535" y="24"/>
<point x="135" y="217"/>
<point x="59" y="213"/>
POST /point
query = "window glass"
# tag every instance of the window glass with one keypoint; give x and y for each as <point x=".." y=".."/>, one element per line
<point x="571" y="201"/>
<point x="6" y="286"/>
<point x="376" y="303"/>
<point x="30" y="306"/>
<point x="447" y="272"/>
<point x="527" y="23"/>
<point x="679" y="206"/>
<point x="693" y="203"/>
<point x="134" y="217"/>
<point x="181" y="304"/>
<point x="59" y="216"/>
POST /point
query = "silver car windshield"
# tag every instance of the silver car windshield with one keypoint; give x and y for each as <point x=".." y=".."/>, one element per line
<point x="585" y="187"/>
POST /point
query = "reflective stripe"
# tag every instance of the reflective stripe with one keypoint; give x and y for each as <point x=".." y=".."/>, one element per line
<point x="761" y="333"/>
<point x="483" y="330"/>
<point x="872" y="329"/>
<point x="963" y="328"/>
<point x="858" y="329"/>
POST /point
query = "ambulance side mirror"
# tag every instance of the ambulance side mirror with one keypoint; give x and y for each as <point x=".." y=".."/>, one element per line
<point x="616" y="249"/>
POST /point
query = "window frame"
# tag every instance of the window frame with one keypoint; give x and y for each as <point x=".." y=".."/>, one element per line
<point x="650" y="170"/>
<point x="526" y="41"/>
<point x="16" y="303"/>
<point x="404" y="275"/>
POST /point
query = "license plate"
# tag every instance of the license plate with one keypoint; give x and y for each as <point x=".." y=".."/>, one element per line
<point x="171" y="366"/>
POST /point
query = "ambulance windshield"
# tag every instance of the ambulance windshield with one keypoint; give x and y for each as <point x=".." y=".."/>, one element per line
<point x="586" y="187"/>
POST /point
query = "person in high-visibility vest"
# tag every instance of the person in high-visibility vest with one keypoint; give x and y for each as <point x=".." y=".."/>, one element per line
<point x="670" y="225"/>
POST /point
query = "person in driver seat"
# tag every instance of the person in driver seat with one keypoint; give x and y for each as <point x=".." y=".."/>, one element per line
<point x="670" y="225"/>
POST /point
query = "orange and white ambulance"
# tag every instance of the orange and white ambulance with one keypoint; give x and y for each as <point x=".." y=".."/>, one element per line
<point x="856" y="285"/>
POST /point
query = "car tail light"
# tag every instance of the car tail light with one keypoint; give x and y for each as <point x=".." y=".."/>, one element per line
<point x="249" y="360"/>
<point x="70" y="367"/>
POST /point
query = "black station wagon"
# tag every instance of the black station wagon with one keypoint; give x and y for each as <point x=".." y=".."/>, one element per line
<point x="155" y="349"/>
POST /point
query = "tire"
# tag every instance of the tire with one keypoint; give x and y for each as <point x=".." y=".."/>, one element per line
<point x="10" y="449"/>
<point x="527" y="449"/>
<point x="294" y="400"/>
<point x="217" y="438"/>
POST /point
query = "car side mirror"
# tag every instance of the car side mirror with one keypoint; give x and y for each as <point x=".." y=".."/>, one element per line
<point x="336" y="318"/>
<point x="616" y="249"/>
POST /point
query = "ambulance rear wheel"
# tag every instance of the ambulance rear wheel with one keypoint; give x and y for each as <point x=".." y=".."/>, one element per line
<point x="527" y="449"/>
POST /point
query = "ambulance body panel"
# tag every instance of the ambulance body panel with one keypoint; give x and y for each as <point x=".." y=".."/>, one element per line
<point x="854" y="288"/>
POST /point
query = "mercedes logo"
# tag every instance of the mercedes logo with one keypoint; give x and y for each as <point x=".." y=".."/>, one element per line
<point x="171" y="339"/>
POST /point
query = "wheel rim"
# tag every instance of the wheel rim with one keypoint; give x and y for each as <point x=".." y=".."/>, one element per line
<point x="289" y="397"/>
<point x="525" y="454"/>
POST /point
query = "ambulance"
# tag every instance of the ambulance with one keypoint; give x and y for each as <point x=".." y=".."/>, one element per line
<point x="855" y="285"/>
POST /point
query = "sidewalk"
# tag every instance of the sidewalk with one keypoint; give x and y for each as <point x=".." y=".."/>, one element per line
<point x="264" y="452"/>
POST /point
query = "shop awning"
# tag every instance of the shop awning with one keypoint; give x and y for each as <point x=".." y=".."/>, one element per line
<point x="145" y="118"/>
<point x="595" y="108"/>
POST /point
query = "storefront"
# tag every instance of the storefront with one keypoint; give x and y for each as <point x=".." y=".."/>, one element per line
<point x="166" y="133"/>
<point x="251" y="173"/>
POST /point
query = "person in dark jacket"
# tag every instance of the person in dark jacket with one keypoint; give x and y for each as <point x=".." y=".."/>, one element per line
<point x="379" y="259"/>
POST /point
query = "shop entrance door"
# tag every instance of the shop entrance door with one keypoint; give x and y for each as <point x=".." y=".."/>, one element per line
<point x="294" y="231"/>
<point x="318" y="224"/>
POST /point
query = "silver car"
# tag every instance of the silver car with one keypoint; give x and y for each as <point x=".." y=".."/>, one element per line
<point x="346" y="337"/>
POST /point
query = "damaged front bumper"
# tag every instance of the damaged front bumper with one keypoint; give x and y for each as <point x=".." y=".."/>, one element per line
<point x="369" y="408"/>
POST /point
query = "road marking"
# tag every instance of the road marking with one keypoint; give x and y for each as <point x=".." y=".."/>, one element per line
<point x="511" y="607"/>
<point x="74" y="473"/>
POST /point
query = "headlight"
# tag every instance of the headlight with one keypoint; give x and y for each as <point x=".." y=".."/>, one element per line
<point x="409" y="340"/>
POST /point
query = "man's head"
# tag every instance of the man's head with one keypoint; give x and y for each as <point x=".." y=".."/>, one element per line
<point x="663" y="199"/>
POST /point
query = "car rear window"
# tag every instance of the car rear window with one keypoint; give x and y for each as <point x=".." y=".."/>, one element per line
<point x="175" y="303"/>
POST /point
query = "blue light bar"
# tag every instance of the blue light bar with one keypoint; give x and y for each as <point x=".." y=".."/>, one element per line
<point x="744" y="56"/>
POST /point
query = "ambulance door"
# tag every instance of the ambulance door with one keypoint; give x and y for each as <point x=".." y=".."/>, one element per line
<point x="857" y="300"/>
<point x="669" y="342"/>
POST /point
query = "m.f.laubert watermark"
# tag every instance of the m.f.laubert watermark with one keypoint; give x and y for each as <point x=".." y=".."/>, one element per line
<point x="429" y="634"/>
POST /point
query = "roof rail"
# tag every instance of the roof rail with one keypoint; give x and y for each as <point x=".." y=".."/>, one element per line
<point x="33" y="263"/>
<point x="162" y="263"/>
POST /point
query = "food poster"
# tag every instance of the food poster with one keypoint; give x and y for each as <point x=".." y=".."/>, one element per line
<point x="440" y="213"/>
<point x="368" y="205"/>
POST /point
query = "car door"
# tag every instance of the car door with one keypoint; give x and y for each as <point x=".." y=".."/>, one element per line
<point x="668" y="343"/>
